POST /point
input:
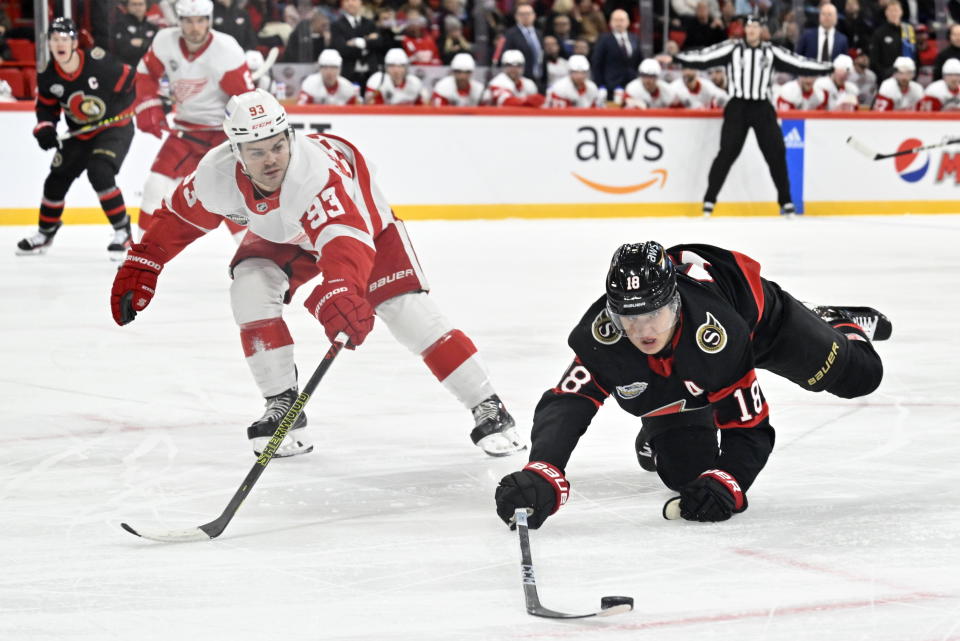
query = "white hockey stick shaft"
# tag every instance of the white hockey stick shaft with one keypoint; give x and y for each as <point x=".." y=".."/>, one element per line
<point x="267" y="63"/>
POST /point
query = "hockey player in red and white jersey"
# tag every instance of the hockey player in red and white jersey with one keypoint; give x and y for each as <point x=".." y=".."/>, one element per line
<point x="255" y="62"/>
<point x="204" y="68"/>
<point x="509" y="88"/>
<point x="801" y="95"/>
<point x="576" y="90"/>
<point x="396" y="85"/>
<point x="693" y="92"/>
<point x="841" y="94"/>
<point x="311" y="207"/>
<point x="943" y="94"/>
<point x="327" y="86"/>
<point x="899" y="92"/>
<point x="648" y="91"/>
<point x="459" y="89"/>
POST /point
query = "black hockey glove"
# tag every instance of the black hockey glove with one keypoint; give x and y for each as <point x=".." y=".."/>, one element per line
<point x="46" y="135"/>
<point x="539" y="486"/>
<point x="714" y="496"/>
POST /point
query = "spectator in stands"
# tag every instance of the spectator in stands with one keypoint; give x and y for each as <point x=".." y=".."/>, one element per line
<point x="863" y="77"/>
<point x="576" y="90"/>
<point x="952" y="50"/>
<point x="826" y="42"/>
<point x="5" y="53"/>
<point x="419" y="6"/>
<point x="229" y="17"/>
<point x="686" y="10"/>
<point x="616" y="54"/>
<point x="703" y="29"/>
<point x="590" y="17"/>
<point x="788" y="34"/>
<point x="309" y="38"/>
<point x="459" y="89"/>
<point x="927" y="50"/>
<point x="351" y="35"/>
<point x="899" y="92"/>
<point x="768" y="13"/>
<point x="510" y="88"/>
<point x="856" y="24"/>
<point x="525" y="38"/>
<point x="581" y="47"/>
<point x="417" y="42"/>
<point x="840" y="93"/>
<point x="396" y="85"/>
<point x="451" y="9"/>
<point x="562" y="29"/>
<point x="387" y="36"/>
<point x="327" y="86"/>
<point x="132" y="33"/>
<point x="891" y="40"/>
<point x="554" y="63"/>
<point x="649" y="91"/>
<point x="693" y="92"/>
<point x="453" y="43"/>
<point x="943" y="94"/>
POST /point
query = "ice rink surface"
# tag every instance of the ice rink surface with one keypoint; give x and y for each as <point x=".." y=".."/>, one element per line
<point x="388" y="530"/>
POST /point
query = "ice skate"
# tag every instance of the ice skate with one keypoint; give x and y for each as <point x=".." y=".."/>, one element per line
<point x="262" y="430"/>
<point x="788" y="210"/>
<point x="37" y="244"/>
<point x="707" y="209"/>
<point x="874" y="324"/>
<point x="495" y="432"/>
<point x="122" y="240"/>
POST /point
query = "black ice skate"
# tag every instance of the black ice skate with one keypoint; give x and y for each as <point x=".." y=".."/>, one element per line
<point x="122" y="240"/>
<point x="37" y="244"/>
<point x="874" y="324"/>
<point x="644" y="453"/>
<point x="788" y="210"/>
<point x="494" y="431"/>
<point x="262" y="430"/>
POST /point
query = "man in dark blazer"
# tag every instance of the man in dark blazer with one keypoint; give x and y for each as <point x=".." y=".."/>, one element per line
<point x="350" y="34"/>
<point x="616" y="55"/>
<point x="824" y="43"/>
<point x="525" y="37"/>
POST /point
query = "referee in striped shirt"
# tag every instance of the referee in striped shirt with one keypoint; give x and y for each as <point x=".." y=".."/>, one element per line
<point x="750" y="64"/>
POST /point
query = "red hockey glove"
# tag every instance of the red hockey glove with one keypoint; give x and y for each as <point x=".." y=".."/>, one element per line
<point x="46" y="134"/>
<point x="340" y="309"/>
<point x="135" y="284"/>
<point x="539" y="486"/>
<point x="535" y="100"/>
<point x="713" y="496"/>
<point x="151" y="118"/>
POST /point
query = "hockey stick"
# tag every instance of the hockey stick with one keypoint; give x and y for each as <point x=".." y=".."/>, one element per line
<point x="873" y="155"/>
<point x="215" y="528"/>
<point x="609" y="605"/>
<point x="107" y="122"/>
<point x="267" y="63"/>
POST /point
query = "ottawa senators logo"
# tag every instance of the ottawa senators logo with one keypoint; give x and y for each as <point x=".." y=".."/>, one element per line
<point x="603" y="330"/>
<point x="83" y="109"/>
<point x="711" y="336"/>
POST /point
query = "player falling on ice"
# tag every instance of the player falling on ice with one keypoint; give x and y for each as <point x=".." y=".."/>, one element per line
<point x="675" y="340"/>
<point x="90" y="87"/>
<point x="311" y="207"/>
<point x="204" y="68"/>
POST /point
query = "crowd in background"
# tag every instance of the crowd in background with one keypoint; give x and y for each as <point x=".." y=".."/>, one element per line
<point x="874" y="35"/>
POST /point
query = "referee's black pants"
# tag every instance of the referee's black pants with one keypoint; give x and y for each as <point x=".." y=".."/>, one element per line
<point x="739" y="116"/>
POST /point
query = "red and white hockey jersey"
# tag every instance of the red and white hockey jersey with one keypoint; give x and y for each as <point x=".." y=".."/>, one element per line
<point x="706" y="95"/>
<point x="382" y="91"/>
<point x="445" y="93"/>
<point x="200" y="82"/>
<point x="636" y="96"/>
<point x="792" y="96"/>
<point x="565" y="94"/>
<point x="838" y="98"/>
<point x="938" y="97"/>
<point x="314" y="92"/>
<point x="503" y="91"/>
<point x="891" y="97"/>
<point x="328" y="205"/>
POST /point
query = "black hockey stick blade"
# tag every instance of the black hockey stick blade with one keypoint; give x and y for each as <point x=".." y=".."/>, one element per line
<point x="215" y="528"/>
<point x="609" y="605"/>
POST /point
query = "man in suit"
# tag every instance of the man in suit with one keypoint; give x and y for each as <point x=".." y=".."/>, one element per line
<point x="351" y="35"/>
<point x="616" y="55"/>
<point x="824" y="43"/>
<point x="524" y="37"/>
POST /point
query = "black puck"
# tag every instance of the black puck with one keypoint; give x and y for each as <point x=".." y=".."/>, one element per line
<point x="611" y="601"/>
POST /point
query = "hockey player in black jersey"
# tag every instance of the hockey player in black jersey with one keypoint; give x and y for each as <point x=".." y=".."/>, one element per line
<point x="90" y="87"/>
<point x="676" y="340"/>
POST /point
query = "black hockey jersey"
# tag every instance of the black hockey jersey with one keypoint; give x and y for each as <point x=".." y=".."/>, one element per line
<point x="705" y="377"/>
<point x="100" y="88"/>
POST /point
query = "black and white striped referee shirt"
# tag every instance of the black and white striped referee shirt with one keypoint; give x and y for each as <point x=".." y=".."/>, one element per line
<point x="750" y="69"/>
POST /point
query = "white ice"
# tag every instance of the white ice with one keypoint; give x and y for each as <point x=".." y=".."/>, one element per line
<point x="388" y="530"/>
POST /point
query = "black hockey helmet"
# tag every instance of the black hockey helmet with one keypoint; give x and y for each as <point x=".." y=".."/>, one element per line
<point x="63" y="25"/>
<point x="642" y="279"/>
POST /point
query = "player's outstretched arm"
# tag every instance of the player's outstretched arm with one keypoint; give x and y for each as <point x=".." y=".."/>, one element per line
<point x="539" y="487"/>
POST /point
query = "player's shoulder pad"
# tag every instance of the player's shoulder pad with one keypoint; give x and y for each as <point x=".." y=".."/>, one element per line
<point x="594" y="329"/>
<point x="215" y="173"/>
<point x="227" y="45"/>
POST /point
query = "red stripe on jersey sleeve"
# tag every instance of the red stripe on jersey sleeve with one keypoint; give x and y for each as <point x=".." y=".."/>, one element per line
<point x="363" y="179"/>
<point x="733" y="409"/>
<point x="751" y="272"/>
<point x="237" y="81"/>
<point x="123" y="78"/>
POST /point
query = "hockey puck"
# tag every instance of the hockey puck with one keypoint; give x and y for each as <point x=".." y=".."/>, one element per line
<point x="608" y="602"/>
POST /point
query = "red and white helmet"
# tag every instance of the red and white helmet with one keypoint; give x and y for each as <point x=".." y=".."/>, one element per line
<point x="191" y="8"/>
<point x="254" y="115"/>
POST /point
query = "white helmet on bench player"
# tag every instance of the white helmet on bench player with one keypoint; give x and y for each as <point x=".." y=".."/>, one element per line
<point x="190" y="8"/>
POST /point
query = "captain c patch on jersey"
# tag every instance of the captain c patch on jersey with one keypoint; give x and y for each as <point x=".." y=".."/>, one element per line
<point x="711" y="336"/>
